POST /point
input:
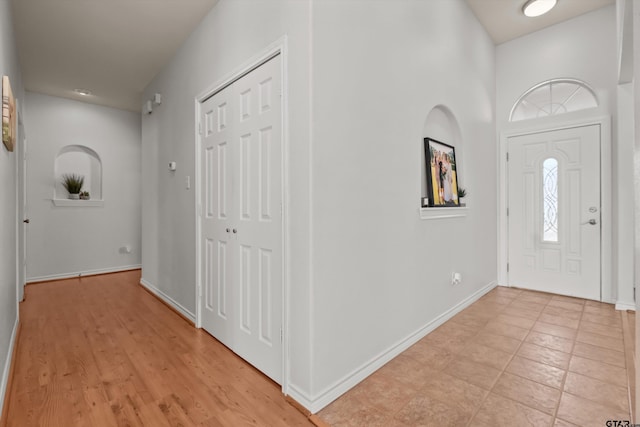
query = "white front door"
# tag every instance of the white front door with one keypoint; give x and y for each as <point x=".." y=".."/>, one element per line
<point x="554" y="211"/>
<point x="241" y="193"/>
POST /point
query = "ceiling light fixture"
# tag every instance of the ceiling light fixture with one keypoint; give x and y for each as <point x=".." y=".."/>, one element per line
<point x="533" y="8"/>
<point x="83" y="92"/>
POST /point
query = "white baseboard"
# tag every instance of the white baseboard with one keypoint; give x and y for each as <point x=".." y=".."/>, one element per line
<point x="302" y="398"/>
<point x="7" y="364"/>
<point x="166" y="298"/>
<point x="83" y="273"/>
<point x="620" y="305"/>
<point x="331" y="393"/>
<point x="604" y="300"/>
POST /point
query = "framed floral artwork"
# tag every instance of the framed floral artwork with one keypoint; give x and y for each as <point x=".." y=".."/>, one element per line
<point x="8" y="115"/>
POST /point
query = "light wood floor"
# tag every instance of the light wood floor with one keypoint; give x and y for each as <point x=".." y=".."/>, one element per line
<point x="101" y="351"/>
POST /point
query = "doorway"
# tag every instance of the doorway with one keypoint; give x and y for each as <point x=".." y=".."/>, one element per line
<point x="22" y="213"/>
<point x="554" y="214"/>
<point x="241" y="221"/>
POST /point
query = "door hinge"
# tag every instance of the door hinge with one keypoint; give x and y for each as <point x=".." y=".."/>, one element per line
<point x="200" y="128"/>
<point x="507" y="156"/>
<point x="280" y="334"/>
<point x="507" y="267"/>
<point x="507" y="211"/>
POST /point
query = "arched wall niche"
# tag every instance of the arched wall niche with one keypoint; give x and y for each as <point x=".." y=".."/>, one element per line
<point x="442" y="125"/>
<point x="80" y="160"/>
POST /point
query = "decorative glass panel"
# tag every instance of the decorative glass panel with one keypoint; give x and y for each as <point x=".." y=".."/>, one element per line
<point x="557" y="96"/>
<point x="550" y="200"/>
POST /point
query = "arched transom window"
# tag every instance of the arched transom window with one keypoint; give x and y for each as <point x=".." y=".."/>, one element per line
<point x="557" y="96"/>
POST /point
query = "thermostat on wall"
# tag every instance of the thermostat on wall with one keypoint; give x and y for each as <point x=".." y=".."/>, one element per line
<point x="147" y="108"/>
<point x="172" y="166"/>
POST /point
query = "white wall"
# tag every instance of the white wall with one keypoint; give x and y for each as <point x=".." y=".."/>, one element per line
<point x="624" y="203"/>
<point x="380" y="272"/>
<point x="365" y="271"/>
<point x="583" y="48"/>
<point x="68" y="240"/>
<point x="635" y="53"/>
<point x="8" y="221"/>
<point x="232" y="33"/>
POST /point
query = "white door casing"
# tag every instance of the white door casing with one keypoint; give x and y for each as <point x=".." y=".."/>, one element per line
<point x="21" y="206"/>
<point x="241" y="224"/>
<point x="25" y="223"/>
<point x="559" y="251"/>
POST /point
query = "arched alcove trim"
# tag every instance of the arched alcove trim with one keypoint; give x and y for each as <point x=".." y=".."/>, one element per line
<point x="81" y="160"/>
<point x="441" y="124"/>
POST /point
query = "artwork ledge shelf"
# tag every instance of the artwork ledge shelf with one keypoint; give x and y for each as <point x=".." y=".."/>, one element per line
<point x="78" y="203"/>
<point x="443" y="213"/>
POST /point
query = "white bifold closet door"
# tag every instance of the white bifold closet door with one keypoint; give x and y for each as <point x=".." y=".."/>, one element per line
<point x="241" y="222"/>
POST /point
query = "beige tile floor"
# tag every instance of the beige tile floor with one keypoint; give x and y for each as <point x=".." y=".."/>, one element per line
<point x="513" y="358"/>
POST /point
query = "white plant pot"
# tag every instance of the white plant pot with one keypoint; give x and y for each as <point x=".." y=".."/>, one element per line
<point x="75" y="196"/>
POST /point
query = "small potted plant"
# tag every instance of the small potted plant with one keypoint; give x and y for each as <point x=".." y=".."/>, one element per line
<point x="73" y="184"/>
<point x="84" y="195"/>
<point x="461" y="194"/>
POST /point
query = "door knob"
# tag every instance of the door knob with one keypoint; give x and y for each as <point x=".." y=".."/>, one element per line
<point x="591" y="222"/>
<point x="26" y="221"/>
<point x="228" y="230"/>
<point x="235" y="231"/>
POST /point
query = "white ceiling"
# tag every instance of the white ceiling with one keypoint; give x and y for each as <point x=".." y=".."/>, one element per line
<point x="504" y="20"/>
<point x="114" y="48"/>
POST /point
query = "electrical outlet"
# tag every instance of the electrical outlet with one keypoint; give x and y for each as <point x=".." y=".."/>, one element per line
<point x="125" y="249"/>
<point x="456" y="278"/>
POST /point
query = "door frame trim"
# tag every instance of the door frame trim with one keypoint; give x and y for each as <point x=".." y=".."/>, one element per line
<point x="279" y="48"/>
<point x="21" y="204"/>
<point x="606" y="271"/>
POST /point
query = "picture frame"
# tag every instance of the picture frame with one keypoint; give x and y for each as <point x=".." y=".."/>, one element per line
<point x="442" y="174"/>
<point x="8" y="115"/>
